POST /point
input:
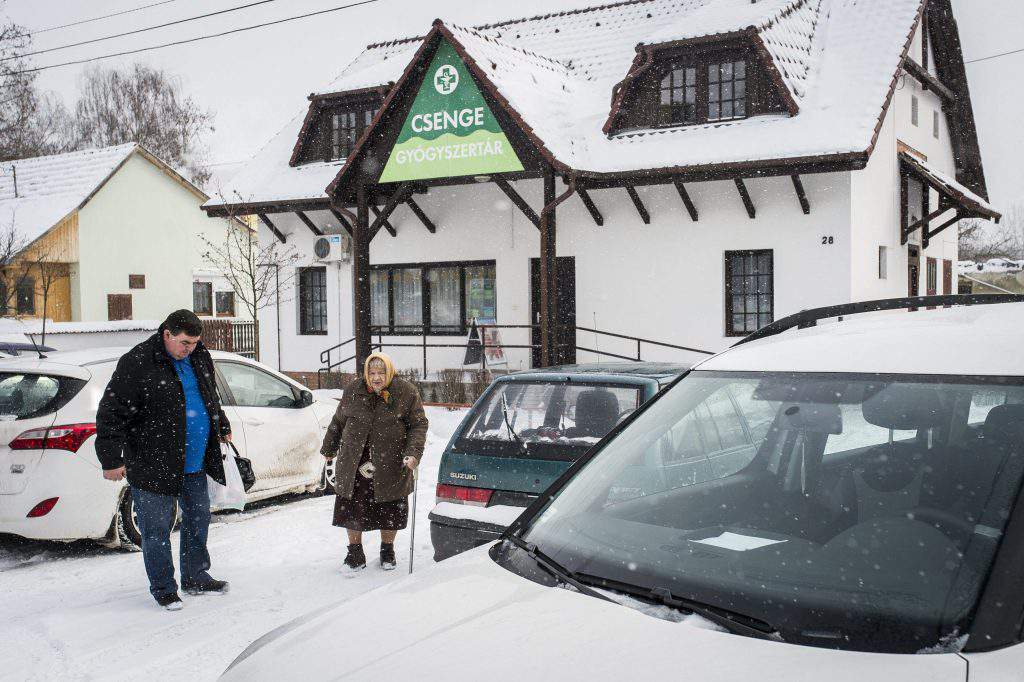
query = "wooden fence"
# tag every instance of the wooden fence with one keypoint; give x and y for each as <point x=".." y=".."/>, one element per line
<point x="233" y="337"/>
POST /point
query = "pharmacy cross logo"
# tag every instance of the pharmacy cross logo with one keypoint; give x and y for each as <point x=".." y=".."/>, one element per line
<point x="446" y="79"/>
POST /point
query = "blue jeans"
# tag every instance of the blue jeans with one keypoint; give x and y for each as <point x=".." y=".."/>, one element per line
<point x="156" y="518"/>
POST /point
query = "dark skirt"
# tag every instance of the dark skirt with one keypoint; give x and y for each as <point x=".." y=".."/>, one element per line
<point x="362" y="513"/>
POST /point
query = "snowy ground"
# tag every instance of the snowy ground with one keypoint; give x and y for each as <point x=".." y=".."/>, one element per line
<point x="82" y="612"/>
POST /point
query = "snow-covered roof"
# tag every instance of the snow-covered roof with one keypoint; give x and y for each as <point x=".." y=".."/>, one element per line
<point x="837" y="61"/>
<point x="49" y="188"/>
<point x="950" y="187"/>
<point x="894" y="342"/>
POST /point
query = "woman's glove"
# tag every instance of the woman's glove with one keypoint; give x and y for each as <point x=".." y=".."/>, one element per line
<point x="410" y="462"/>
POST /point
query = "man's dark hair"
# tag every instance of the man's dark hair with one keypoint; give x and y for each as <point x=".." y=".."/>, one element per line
<point x="183" y="321"/>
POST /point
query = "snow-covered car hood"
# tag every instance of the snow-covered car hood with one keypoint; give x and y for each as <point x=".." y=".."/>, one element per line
<point x="468" y="618"/>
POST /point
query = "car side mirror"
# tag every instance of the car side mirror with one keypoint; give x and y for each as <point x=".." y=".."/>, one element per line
<point x="305" y="399"/>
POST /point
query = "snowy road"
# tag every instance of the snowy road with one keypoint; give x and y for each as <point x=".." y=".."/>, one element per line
<point x="82" y="612"/>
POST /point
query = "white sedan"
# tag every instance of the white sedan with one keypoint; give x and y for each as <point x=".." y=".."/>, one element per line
<point x="51" y="484"/>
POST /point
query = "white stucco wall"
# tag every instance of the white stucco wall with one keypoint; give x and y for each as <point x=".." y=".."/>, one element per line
<point x="142" y="222"/>
<point x="663" y="281"/>
<point x="876" y="196"/>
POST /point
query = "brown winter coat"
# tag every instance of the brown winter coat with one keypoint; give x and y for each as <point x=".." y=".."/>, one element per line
<point x="392" y="430"/>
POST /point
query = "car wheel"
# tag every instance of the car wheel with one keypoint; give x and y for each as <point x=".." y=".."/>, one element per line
<point x="128" y="531"/>
<point x="329" y="476"/>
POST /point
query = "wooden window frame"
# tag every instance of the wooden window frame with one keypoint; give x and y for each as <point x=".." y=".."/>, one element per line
<point x="209" y="286"/>
<point x="362" y="112"/>
<point x="307" y="325"/>
<point x="218" y="313"/>
<point x="729" y="311"/>
<point x="425" y="268"/>
<point x="136" y="281"/>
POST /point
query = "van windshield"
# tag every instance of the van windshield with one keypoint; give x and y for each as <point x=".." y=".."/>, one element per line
<point x="549" y="420"/>
<point x="847" y="511"/>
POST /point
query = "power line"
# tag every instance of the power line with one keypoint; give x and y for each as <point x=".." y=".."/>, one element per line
<point x="105" y="16"/>
<point x="994" y="56"/>
<point x="140" y="30"/>
<point x="196" y="39"/>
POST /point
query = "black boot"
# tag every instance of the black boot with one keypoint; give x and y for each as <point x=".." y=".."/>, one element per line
<point x="387" y="556"/>
<point x="356" y="559"/>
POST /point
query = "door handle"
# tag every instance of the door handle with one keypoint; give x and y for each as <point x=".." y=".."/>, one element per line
<point x="253" y="422"/>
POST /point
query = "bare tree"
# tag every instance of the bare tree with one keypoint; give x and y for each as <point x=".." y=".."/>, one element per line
<point x="144" y="105"/>
<point x="14" y="275"/>
<point x="981" y="240"/>
<point x="31" y="123"/>
<point x="49" y="274"/>
<point x="257" y="273"/>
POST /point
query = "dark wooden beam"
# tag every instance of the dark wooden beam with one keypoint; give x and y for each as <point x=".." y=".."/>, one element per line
<point x="548" y="268"/>
<point x="685" y="196"/>
<point x="640" y="208"/>
<point x="381" y="220"/>
<point x="591" y="207"/>
<point x="418" y="212"/>
<point x="516" y="199"/>
<point x="925" y="221"/>
<point x="361" y="279"/>
<point x="929" y="81"/>
<point x="342" y="220"/>
<point x="309" y="223"/>
<point x="798" y="185"/>
<point x="745" y="195"/>
<point x="273" y="228"/>
<point x="952" y="221"/>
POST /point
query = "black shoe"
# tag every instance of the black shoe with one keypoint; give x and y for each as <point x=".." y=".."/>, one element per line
<point x="387" y="557"/>
<point x="171" y="602"/>
<point x="356" y="559"/>
<point x="210" y="586"/>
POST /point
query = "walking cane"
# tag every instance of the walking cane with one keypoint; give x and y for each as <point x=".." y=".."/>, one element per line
<point x="412" y="532"/>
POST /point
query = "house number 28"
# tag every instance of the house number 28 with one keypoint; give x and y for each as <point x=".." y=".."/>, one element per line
<point x="828" y="240"/>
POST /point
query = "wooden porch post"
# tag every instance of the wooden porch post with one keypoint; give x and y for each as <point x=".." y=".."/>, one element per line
<point x="361" y="278"/>
<point x="548" y="277"/>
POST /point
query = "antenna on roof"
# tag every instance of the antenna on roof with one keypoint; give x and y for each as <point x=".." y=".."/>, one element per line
<point x="32" y="338"/>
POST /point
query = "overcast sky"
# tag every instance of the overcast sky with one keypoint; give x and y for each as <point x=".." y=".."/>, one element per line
<point x="256" y="81"/>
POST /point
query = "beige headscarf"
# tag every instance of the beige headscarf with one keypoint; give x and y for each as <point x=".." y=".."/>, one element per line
<point x="389" y="369"/>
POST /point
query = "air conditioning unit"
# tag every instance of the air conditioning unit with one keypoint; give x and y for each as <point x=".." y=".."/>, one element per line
<point x="332" y="248"/>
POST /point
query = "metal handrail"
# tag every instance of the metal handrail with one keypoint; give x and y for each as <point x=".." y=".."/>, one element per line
<point x="381" y="331"/>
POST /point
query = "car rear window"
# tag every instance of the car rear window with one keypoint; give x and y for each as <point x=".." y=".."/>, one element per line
<point x="25" y="396"/>
<point x="547" y="420"/>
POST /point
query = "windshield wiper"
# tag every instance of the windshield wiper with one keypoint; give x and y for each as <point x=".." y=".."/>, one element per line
<point x="508" y="424"/>
<point x="734" y="622"/>
<point x="554" y="568"/>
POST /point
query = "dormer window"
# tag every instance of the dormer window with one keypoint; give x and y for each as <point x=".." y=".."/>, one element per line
<point x="334" y="125"/>
<point x="704" y="92"/>
<point x="346" y="125"/>
<point x="699" y="84"/>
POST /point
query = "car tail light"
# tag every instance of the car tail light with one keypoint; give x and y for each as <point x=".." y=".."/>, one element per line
<point x="43" y="508"/>
<point x="69" y="437"/>
<point x="460" y="495"/>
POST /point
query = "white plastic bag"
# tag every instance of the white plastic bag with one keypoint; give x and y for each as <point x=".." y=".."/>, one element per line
<point x="232" y="495"/>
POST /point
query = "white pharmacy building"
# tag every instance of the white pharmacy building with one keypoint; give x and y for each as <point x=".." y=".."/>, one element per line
<point x="641" y="179"/>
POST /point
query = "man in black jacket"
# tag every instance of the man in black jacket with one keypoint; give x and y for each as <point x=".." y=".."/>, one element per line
<point x="160" y="423"/>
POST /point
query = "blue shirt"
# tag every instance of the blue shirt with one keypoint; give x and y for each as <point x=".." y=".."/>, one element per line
<point x="197" y="419"/>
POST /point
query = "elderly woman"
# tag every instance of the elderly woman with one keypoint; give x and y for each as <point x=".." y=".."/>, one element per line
<point x="377" y="434"/>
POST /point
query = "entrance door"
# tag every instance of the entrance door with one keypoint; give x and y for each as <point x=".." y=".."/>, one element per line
<point x="914" y="271"/>
<point x="565" y="310"/>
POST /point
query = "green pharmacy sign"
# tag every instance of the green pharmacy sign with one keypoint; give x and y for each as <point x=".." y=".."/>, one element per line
<point x="450" y="131"/>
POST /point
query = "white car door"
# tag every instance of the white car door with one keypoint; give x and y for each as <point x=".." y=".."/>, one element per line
<point x="282" y="437"/>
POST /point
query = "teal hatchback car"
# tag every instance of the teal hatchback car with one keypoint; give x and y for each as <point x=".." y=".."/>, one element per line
<point x="522" y="434"/>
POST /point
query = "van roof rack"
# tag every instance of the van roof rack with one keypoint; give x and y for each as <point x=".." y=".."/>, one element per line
<point x="809" y="318"/>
